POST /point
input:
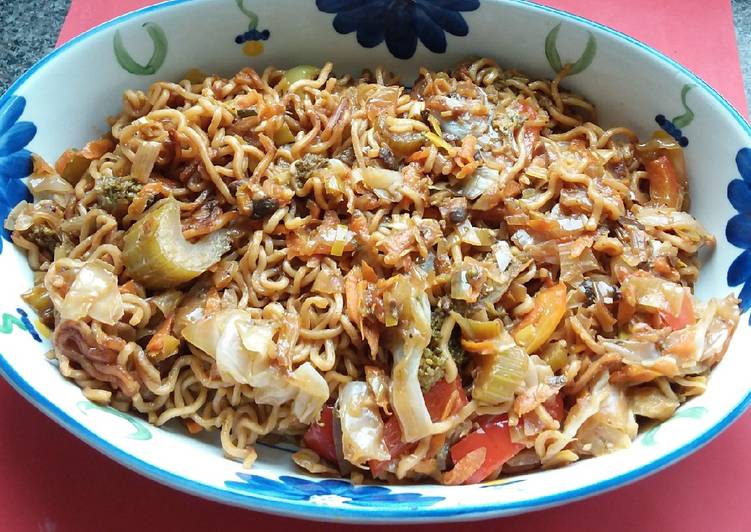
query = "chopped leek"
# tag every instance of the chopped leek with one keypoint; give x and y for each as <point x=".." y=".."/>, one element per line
<point x="283" y="135"/>
<point x="556" y="355"/>
<point x="340" y="240"/>
<point x="499" y="375"/>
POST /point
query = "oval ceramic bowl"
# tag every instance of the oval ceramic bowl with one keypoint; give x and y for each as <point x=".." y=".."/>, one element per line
<point x="64" y="99"/>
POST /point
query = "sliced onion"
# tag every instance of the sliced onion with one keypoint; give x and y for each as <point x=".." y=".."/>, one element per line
<point x="361" y="424"/>
<point x="241" y="346"/>
<point x="406" y="395"/>
<point x="634" y="351"/>
<point x="50" y="186"/>
<point x="502" y="253"/>
<point x="143" y="162"/>
<point x="313" y="393"/>
<point x="167" y="301"/>
<point x="328" y="281"/>
<point x="480" y="182"/>
<point x="379" y="384"/>
<point x="94" y="293"/>
<point x="653" y="294"/>
<point x="461" y="289"/>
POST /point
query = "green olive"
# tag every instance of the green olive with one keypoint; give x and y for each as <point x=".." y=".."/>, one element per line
<point x="300" y="72"/>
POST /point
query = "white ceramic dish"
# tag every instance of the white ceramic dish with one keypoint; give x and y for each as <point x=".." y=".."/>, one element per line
<point x="63" y="100"/>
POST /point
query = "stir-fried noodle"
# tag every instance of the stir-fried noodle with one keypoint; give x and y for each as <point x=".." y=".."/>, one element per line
<point x="456" y="280"/>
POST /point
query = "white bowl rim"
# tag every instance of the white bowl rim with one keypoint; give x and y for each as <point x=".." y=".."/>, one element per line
<point x="369" y="514"/>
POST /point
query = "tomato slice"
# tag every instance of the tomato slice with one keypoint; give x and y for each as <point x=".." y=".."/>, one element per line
<point x="442" y="400"/>
<point x="392" y="436"/>
<point x="320" y="436"/>
<point x="445" y="399"/>
<point x="494" y="435"/>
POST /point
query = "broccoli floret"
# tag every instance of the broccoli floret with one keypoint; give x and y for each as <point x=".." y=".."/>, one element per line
<point x="433" y="360"/>
<point x="455" y="348"/>
<point x="431" y="370"/>
<point x="116" y="193"/>
<point x="437" y="317"/>
<point x="43" y="236"/>
<point x="305" y="166"/>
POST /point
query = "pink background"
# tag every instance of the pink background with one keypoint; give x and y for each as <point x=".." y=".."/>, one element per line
<point x="50" y="481"/>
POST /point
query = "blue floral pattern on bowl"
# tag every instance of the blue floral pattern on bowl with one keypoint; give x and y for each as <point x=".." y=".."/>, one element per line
<point x="328" y="492"/>
<point x="400" y="22"/>
<point x="15" y="160"/>
<point x="738" y="230"/>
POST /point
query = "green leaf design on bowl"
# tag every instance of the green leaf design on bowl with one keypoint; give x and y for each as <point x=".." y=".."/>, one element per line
<point x="158" y="38"/>
<point x="685" y="119"/>
<point x="140" y="432"/>
<point x="554" y="58"/>
<point x="694" y="412"/>
<point x="9" y="320"/>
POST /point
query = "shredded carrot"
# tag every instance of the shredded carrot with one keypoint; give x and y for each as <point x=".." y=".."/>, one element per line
<point x="625" y="311"/>
<point x="436" y="442"/>
<point x="368" y="273"/>
<point x="465" y="468"/>
<point x="96" y="148"/>
<point x="419" y="155"/>
<point x="580" y="245"/>
<point x="156" y="344"/>
<point x="467" y="170"/>
<point x="467" y="150"/>
<point x="192" y="426"/>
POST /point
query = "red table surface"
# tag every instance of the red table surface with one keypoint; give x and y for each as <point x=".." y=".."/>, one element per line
<point x="50" y="481"/>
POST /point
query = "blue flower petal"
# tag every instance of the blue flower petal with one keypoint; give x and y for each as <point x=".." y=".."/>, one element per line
<point x="739" y="194"/>
<point x="738" y="231"/>
<point x="263" y="485"/>
<point x="370" y="31"/>
<point x="745" y="297"/>
<point x="740" y="270"/>
<point x="259" y="481"/>
<point x="400" y="35"/>
<point x="368" y="492"/>
<point x="743" y="161"/>
<point x="337" y="6"/>
<point x="11" y="112"/>
<point x="242" y="486"/>
<point x="430" y="33"/>
<point x="349" y="21"/>
<point x="453" y="5"/>
<point x="408" y="499"/>
<point x="17" y="137"/>
<point x="15" y="165"/>
<point x="323" y="487"/>
<point x="451" y="21"/>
